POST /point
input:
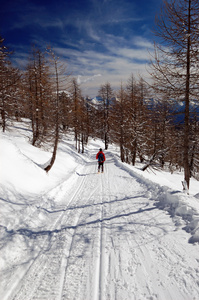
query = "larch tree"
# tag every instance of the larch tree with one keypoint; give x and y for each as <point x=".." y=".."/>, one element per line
<point x="76" y="111"/>
<point x="65" y="108"/>
<point x="137" y="92"/>
<point x="106" y="93"/>
<point x="9" y="78"/>
<point x="119" y="121"/>
<point x="175" y="63"/>
<point x="59" y="82"/>
<point x="38" y="93"/>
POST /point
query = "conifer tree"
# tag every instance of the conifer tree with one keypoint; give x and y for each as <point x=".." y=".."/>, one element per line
<point x="175" y="65"/>
<point x="79" y="116"/>
<point x="55" y="119"/>
<point x="119" y="121"/>
<point x="106" y="93"/>
<point x="38" y="94"/>
<point x="9" y="78"/>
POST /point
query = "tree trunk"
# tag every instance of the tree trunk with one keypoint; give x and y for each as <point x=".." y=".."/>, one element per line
<point x="187" y="93"/>
<point x="3" y="119"/>
<point x="56" y="119"/>
<point x="54" y="151"/>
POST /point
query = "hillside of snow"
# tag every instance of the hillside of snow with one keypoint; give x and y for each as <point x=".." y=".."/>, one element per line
<point x="76" y="234"/>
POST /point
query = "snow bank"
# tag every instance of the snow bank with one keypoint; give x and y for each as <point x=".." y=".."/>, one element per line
<point x="35" y="206"/>
<point x="18" y="169"/>
<point x="22" y="174"/>
<point x="22" y="165"/>
<point x="183" y="208"/>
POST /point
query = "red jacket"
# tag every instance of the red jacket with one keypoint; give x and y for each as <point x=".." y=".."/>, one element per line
<point x="104" y="158"/>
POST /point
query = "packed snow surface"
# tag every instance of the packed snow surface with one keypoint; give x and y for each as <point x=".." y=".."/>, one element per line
<point x="75" y="234"/>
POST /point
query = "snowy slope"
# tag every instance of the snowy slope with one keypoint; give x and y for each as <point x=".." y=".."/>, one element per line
<point x="76" y="234"/>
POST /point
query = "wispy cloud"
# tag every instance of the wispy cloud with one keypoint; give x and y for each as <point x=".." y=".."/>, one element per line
<point x="117" y="60"/>
<point x="99" y="40"/>
<point x="81" y="79"/>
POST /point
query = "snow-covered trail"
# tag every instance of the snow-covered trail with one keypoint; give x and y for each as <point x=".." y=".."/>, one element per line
<point x="104" y="239"/>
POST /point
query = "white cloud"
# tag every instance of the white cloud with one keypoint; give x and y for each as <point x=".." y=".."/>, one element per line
<point x="119" y="60"/>
<point x="142" y="42"/>
<point x="117" y="70"/>
<point x="83" y="79"/>
<point x="96" y="55"/>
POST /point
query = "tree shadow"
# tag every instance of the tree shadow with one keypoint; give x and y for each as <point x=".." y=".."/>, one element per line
<point x="29" y="233"/>
<point x="91" y="205"/>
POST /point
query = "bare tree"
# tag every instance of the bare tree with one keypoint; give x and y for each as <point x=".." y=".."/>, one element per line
<point x="59" y="78"/>
<point x="38" y="93"/>
<point x="106" y="93"/>
<point x="76" y="111"/>
<point x="79" y="116"/>
<point x="175" y="65"/>
<point x="119" y="121"/>
<point x="9" y="78"/>
<point x="65" y="108"/>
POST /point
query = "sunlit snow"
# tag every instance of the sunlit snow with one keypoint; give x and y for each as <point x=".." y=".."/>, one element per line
<point x="75" y="234"/>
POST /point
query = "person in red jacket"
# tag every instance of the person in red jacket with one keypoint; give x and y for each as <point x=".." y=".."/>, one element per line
<point x="101" y="159"/>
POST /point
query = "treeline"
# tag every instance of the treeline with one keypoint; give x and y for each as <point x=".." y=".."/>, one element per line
<point x="146" y="129"/>
<point x="38" y="93"/>
<point x="143" y="128"/>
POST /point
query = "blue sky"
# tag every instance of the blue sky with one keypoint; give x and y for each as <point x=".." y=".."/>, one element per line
<point x="99" y="40"/>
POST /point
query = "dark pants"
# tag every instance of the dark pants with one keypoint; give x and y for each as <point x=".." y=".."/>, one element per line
<point x="101" y="164"/>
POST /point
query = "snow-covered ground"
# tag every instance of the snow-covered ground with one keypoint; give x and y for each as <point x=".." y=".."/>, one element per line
<point x="75" y="234"/>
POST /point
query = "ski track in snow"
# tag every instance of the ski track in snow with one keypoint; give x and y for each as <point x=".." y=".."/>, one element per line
<point x="105" y="240"/>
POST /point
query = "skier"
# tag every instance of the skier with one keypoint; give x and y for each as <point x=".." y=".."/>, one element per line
<point x="101" y="159"/>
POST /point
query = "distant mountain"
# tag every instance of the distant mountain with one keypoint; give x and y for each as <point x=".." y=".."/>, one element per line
<point x="175" y="108"/>
<point x="98" y="101"/>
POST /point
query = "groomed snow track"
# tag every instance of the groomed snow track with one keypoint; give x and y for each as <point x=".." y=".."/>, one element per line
<point x="105" y="240"/>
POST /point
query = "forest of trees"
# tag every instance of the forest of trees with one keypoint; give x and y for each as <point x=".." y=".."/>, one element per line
<point x="139" y="117"/>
